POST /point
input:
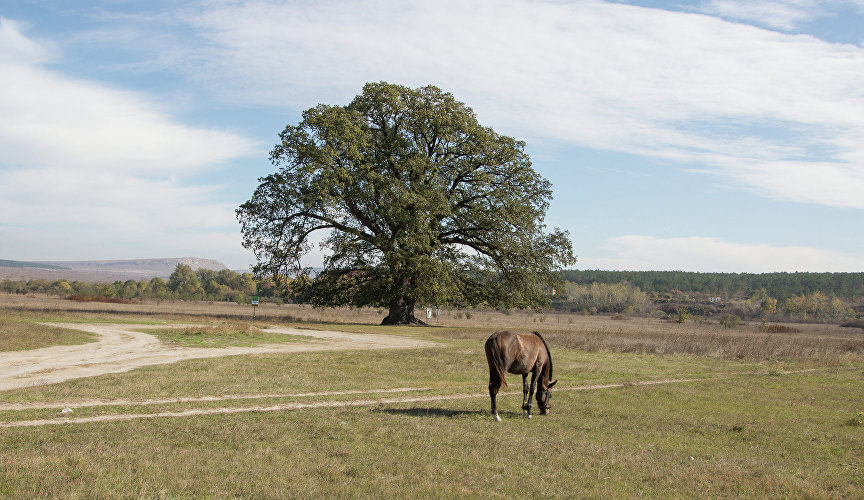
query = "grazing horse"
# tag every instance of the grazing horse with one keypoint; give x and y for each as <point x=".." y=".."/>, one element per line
<point x="520" y="354"/>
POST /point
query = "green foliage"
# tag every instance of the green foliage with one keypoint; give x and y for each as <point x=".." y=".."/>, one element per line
<point x="223" y="335"/>
<point x="682" y="315"/>
<point x="779" y="285"/>
<point x="769" y="305"/>
<point x="730" y="321"/>
<point x="183" y="284"/>
<point x="420" y="204"/>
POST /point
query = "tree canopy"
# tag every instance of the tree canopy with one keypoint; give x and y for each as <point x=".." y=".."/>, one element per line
<point x="419" y="204"/>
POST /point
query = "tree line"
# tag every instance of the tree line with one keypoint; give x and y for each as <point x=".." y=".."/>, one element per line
<point x="791" y="296"/>
<point x="183" y="284"/>
<point x="630" y="300"/>
<point x="819" y="297"/>
<point x="729" y="285"/>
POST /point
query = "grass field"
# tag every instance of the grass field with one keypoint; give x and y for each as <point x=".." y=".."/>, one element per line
<point x="21" y="332"/>
<point x="642" y="409"/>
<point x="222" y="334"/>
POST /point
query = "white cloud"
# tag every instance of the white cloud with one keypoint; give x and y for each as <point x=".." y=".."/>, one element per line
<point x="49" y="119"/>
<point x="60" y="214"/>
<point x="733" y="99"/>
<point x="15" y="47"/>
<point x="645" y="253"/>
<point x="783" y="15"/>
<point x="87" y="167"/>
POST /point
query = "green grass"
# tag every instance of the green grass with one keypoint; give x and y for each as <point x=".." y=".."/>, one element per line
<point x="20" y="332"/>
<point x="223" y="335"/>
<point x="756" y="436"/>
<point x="745" y="428"/>
<point x="458" y="365"/>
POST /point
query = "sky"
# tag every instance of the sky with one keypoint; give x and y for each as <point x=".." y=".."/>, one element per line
<point x="711" y="136"/>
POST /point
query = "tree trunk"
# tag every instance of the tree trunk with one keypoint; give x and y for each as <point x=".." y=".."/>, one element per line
<point x="401" y="313"/>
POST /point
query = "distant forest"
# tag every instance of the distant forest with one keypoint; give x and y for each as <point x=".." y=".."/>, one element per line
<point x="729" y="285"/>
<point x="676" y="295"/>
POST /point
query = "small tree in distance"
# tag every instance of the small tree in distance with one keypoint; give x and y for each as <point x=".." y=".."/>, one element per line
<point x="420" y="204"/>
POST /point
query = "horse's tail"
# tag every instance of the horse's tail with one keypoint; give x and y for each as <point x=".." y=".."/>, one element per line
<point x="548" y="353"/>
<point x="493" y="356"/>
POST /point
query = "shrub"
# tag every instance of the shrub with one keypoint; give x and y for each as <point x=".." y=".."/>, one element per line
<point x="606" y="298"/>
<point x="778" y="329"/>
<point x="96" y="298"/>
<point x="730" y="321"/>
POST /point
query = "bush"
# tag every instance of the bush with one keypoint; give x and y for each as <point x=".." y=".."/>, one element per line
<point x="605" y="298"/>
<point x="854" y="324"/>
<point x="96" y="298"/>
<point x="730" y="321"/>
<point x="778" y="329"/>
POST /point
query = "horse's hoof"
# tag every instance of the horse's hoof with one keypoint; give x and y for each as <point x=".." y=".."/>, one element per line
<point x="496" y="418"/>
<point x="529" y="415"/>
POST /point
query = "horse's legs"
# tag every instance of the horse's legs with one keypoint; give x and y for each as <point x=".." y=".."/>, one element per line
<point x="494" y="385"/>
<point x="526" y="397"/>
<point x="531" y="391"/>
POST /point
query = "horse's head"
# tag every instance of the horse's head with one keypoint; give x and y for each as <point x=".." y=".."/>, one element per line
<point x="543" y="396"/>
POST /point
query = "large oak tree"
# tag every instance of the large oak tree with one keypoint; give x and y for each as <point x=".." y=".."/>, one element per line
<point x="418" y="202"/>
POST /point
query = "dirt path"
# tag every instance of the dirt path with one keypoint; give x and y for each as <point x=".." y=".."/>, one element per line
<point x="121" y="349"/>
<point x="66" y="415"/>
<point x="67" y="418"/>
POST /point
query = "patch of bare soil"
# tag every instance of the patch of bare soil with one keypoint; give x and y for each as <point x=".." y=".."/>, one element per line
<point x="121" y="349"/>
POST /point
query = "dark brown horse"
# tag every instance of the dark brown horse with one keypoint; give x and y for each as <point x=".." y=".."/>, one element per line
<point x="520" y="354"/>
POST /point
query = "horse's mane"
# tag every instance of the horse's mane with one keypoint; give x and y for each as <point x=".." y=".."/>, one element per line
<point x="549" y="354"/>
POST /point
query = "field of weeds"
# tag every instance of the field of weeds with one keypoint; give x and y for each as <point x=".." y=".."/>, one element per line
<point x="642" y="408"/>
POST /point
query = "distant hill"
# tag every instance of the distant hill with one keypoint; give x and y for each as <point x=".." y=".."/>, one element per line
<point x="102" y="270"/>
<point x="20" y="264"/>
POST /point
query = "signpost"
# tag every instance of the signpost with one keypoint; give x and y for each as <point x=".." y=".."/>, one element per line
<point x="254" y="305"/>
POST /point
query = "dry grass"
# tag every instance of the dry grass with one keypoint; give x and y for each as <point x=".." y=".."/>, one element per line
<point x="816" y="343"/>
<point x="778" y="329"/>
<point x="744" y="429"/>
<point x="107" y="300"/>
<point x="751" y="436"/>
<point x="821" y="344"/>
<point x="21" y="332"/>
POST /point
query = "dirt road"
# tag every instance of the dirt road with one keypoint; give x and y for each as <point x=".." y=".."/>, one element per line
<point x="67" y="418"/>
<point x="121" y="349"/>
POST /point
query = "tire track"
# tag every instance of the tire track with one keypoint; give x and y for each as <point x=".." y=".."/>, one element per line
<point x="92" y="403"/>
<point x="328" y="404"/>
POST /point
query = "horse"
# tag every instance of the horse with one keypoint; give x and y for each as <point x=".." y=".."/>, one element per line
<point x="520" y="354"/>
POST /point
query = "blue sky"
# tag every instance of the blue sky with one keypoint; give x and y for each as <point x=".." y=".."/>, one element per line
<point x="702" y="136"/>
